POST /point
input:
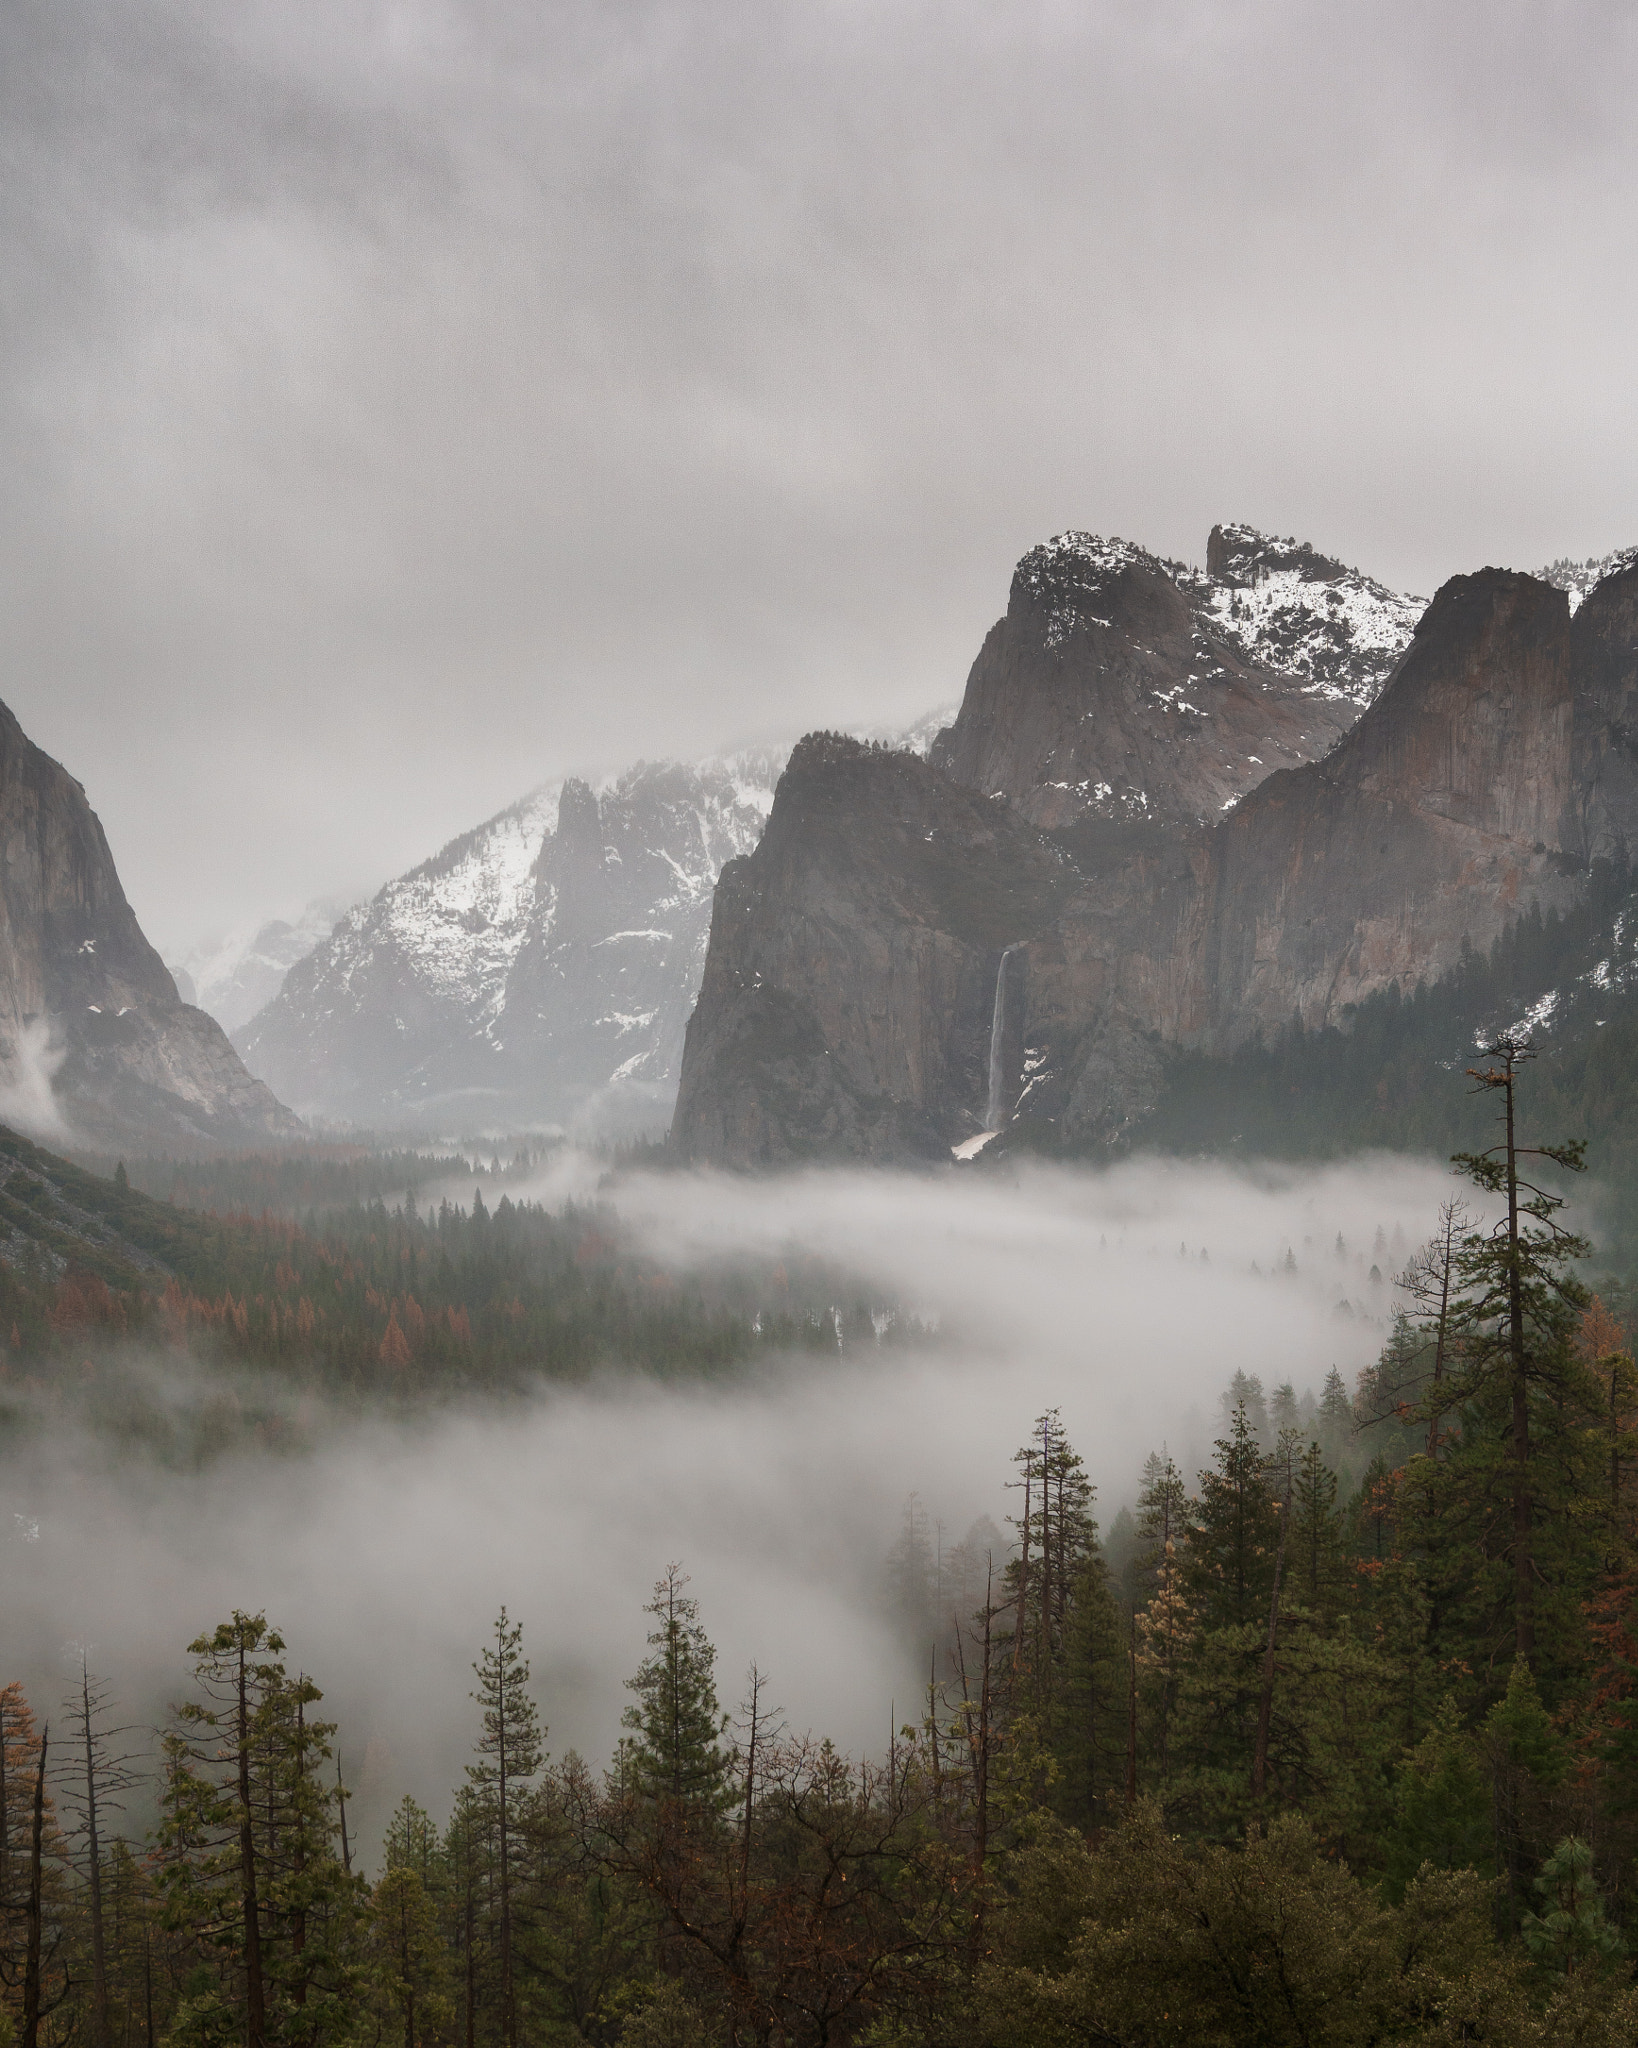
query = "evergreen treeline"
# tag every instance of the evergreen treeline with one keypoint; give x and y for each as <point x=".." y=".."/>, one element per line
<point x="372" y="1301"/>
<point x="1335" y="1743"/>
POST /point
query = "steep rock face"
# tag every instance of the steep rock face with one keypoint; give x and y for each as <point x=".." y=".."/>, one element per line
<point x="1479" y="781"/>
<point x="850" y="983"/>
<point x="1122" y="686"/>
<point x="1437" y="817"/>
<point x="95" y="1044"/>
<point x="541" y="968"/>
<point x="1604" y="773"/>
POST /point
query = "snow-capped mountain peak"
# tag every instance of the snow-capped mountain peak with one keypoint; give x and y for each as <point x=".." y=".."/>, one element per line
<point x="539" y="968"/>
<point x="1297" y="612"/>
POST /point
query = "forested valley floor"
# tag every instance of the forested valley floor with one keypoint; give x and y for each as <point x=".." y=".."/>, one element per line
<point x="1332" y="1741"/>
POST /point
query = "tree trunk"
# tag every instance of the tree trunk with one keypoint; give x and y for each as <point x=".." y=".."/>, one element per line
<point x="341" y="1808"/>
<point x="509" y="2021"/>
<point x="298" y="1918"/>
<point x="1265" y="1706"/>
<point x="1023" y="1579"/>
<point x="471" y="1959"/>
<point x="35" y="1921"/>
<point x="1523" y="1578"/>
<point x="255" y="1987"/>
<point x="99" y="1962"/>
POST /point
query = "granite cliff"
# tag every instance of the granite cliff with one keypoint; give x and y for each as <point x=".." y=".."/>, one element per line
<point x="853" y="978"/>
<point x="96" y="1046"/>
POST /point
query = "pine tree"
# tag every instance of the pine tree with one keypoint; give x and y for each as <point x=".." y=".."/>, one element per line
<point x="409" y="1959"/>
<point x="92" y="1787"/>
<point x="1433" y="1282"/>
<point x="676" y="1757"/>
<point x="912" y="1578"/>
<point x="1521" y="1311"/>
<point x="1572" y="1933"/>
<point x="509" y="1755"/>
<point x="248" y="1829"/>
<point x="469" y="1861"/>
<point x="1245" y="1391"/>
<point x="1056" y="1535"/>
<point x="1442" y="1804"/>
<point x="1088" y="1731"/>
<point x="1527" y="1758"/>
<point x="1336" y="1423"/>
<point x="1162" y="1526"/>
<point x="1230" y="1557"/>
<point x="1317" y="1563"/>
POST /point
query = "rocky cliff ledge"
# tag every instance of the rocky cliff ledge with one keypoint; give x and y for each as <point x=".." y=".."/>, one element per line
<point x="96" y="1047"/>
<point x="850" y="988"/>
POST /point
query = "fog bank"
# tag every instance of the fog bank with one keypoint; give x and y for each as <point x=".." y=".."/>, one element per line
<point x="1126" y="1298"/>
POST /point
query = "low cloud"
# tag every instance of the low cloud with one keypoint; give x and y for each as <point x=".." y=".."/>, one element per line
<point x="28" y="1099"/>
<point x="1127" y="1298"/>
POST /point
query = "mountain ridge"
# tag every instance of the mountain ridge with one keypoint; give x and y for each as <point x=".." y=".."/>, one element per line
<point x="1486" y="773"/>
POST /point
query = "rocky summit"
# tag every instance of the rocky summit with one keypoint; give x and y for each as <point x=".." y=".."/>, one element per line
<point x="1152" y="879"/>
<point x="97" y="1049"/>
<point x="1119" y="685"/>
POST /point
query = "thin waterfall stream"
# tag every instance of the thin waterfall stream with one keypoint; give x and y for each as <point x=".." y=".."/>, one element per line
<point x="997" y="1113"/>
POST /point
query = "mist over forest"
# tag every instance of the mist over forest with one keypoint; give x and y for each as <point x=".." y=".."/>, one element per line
<point x="1128" y="1300"/>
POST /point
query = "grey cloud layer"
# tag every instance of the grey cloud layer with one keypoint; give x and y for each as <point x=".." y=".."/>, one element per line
<point x="403" y="401"/>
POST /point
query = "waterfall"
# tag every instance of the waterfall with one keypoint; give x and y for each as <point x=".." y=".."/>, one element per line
<point x="996" y="1115"/>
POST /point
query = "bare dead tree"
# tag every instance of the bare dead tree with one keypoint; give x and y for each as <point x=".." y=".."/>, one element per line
<point x="94" y="1777"/>
<point x="1433" y="1282"/>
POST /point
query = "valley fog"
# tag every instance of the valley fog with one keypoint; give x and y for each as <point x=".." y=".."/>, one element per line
<point x="1127" y="1298"/>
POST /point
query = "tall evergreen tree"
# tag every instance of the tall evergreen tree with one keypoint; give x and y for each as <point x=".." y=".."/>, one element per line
<point x="676" y="1757"/>
<point x="97" y="1777"/>
<point x="248" y="1848"/>
<point x="1232" y="1532"/>
<point x="1521" y="1310"/>
<point x="510" y="1753"/>
<point x="1056" y="1536"/>
<point x="1317" y="1563"/>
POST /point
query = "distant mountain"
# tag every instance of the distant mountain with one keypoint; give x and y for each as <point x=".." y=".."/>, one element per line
<point x="96" y="1046"/>
<point x="539" y="969"/>
<point x="239" y="973"/>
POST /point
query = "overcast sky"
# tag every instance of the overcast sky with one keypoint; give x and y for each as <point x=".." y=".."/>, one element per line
<point x="402" y="401"/>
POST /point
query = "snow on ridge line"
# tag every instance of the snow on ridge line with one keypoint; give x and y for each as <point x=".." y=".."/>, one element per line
<point x="1292" y="611"/>
<point x="1340" y="637"/>
<point x="1580" y="579"/>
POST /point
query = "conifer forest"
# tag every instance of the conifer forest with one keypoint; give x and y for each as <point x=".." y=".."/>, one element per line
<point x="1333" y="1739"/>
